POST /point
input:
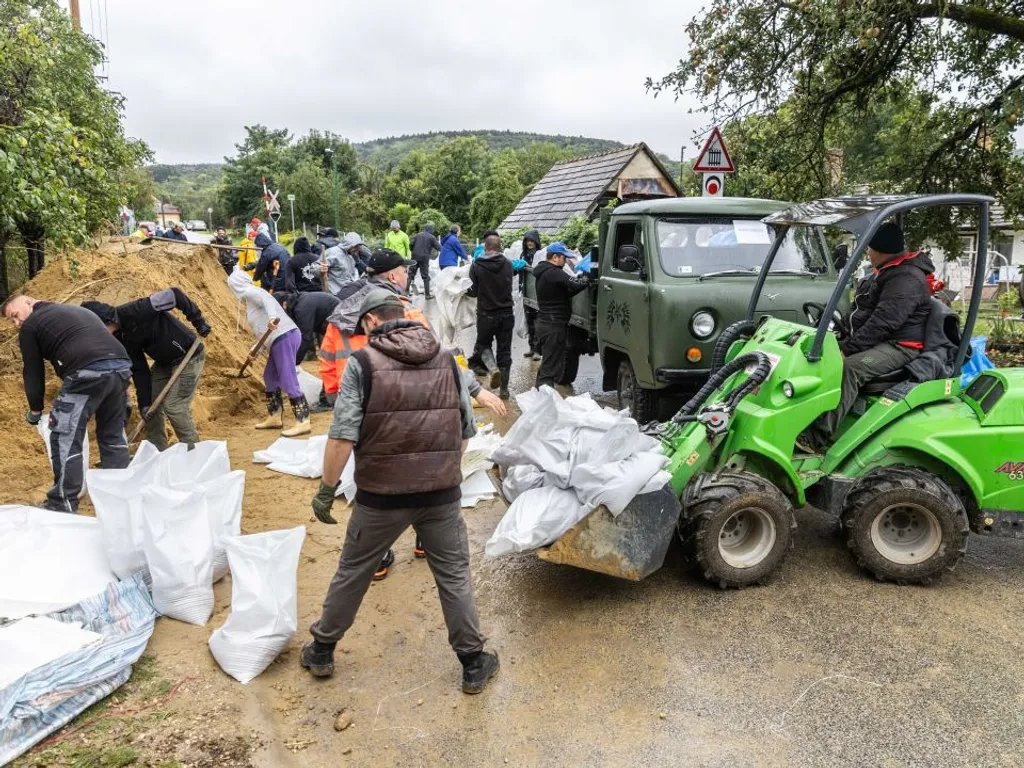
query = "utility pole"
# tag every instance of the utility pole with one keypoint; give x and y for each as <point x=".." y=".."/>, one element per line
<point x="76" y="16"/>
<point x="682" y="159"/>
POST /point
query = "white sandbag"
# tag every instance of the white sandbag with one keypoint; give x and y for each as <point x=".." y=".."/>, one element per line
<point x="537" y="517"/>
<point x="519" y="479"/>
<point x="264" y="595"/>
<point x="116" y="495"/>
<point x="224" y="503"/>
<point x="294" y="456"/>
<point x="310" y="384"/>
<point x="207" y="460"/>
<point x="477" y="457"/>
<point x="455" y="310"/>
<point x="475" y="488"/>
<point x="179" y="551"/>
<point x="49" y="561"/>
<point x="615" y="484"/>
<point x="43" y="428"/>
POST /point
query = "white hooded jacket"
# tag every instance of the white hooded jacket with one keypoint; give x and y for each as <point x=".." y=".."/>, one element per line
<point x="260" y="306"/>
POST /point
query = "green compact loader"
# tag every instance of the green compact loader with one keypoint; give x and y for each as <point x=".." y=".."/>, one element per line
<point x="913" y="468"/>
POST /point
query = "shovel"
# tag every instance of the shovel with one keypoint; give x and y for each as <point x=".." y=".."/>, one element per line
<point x="166" y="390"/>
<point x="254" y="352"/>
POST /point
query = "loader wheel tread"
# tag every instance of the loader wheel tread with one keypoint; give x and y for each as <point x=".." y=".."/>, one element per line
<point x="710" y="505"/>
<point x="888" y="490"/>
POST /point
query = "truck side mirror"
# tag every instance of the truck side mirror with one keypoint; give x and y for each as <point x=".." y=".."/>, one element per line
<point x="628" y="259"/>
<point x="840" y="255"/>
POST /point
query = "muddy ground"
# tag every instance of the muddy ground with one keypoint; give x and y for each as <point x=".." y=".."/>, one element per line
<point x="823" y="666"/>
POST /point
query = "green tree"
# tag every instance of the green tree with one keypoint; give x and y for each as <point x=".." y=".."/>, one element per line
<point x="431" y="216"/>
<point x="320" y="146"/>
<point x="832" y="64"/>
<point x="535" y="160"/>
<point x="142" y="192"/>
<point x="311" y="185"/>
<point x="453" y="174"/>
<point x="263" y="153"/>
<point x="65" y="162"/>
<point x="405" y="184"/>
<point x="404" y="214"/>
<point x="498" y="195"/>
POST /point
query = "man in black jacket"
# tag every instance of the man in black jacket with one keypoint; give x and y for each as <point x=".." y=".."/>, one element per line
<point x="886" y="322"/>
<point x="310" y="312"/>
<point x="555" y="290"/>
<point x="272" y="267"/>
<point x="147" y="327"/>
<point x="491" y="277"/>
<point x="226" y="259"/>
<point x="531" y="244"/>
<point x="302" y="273"/>
<point x="423" y="245"/>
<point x="176" y="232"/>
<point x="95" y="370"/>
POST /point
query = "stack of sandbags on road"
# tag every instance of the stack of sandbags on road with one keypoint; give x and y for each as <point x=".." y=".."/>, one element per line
<point x="455" y="310"/>
<point x="264" y="594"/>
<point x="563" y="459"/>
<point x="166" y="515"/>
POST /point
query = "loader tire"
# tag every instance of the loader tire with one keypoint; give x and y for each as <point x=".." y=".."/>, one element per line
<point x="737" y="527"/>
<point x="641" y="403"/>
<point x="905" y="525"/>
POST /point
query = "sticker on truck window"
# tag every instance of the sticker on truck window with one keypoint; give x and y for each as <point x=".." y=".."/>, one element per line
<point x="685" y="270"/>
<point x="751" y="232"/>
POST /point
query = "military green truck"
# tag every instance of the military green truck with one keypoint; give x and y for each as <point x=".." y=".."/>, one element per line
<point x="671" y="275"/>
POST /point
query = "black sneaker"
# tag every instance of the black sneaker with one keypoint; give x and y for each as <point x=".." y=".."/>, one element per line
<point x="477" y="670"/>
<point x="320" y="663"/>
<point x="385" y="566"/>
<point x="320" y="406"/>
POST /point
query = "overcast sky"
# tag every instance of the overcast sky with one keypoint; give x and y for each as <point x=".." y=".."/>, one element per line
<point x="194" y="73"/>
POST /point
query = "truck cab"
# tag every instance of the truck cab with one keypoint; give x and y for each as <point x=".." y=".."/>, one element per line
<point x="671" y="275"/>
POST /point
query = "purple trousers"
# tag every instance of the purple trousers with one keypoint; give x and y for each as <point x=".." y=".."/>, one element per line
<point x="280" y="371"/>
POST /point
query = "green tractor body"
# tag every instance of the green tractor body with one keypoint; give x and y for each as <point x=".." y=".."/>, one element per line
<point x="912" y="468"/>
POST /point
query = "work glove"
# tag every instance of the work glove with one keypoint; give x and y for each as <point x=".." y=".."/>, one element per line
<point x="323" y="502"/>
<point x="33" y="418"/>
<point x="202" y="327"/>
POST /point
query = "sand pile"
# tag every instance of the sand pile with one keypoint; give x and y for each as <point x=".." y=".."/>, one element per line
<point x="111" y="275"/>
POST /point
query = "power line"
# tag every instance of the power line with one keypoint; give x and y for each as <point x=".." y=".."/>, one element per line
<point x="106" y="42"/>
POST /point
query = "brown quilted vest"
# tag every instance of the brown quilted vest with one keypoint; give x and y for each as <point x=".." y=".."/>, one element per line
<point x="410" y="443"/>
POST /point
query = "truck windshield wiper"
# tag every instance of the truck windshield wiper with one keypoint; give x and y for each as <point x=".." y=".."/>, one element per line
<point x="748" y="271"/>
<point x="805" y="272"/>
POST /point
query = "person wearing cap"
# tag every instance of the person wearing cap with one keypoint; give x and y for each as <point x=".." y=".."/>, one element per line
<point x="404" y="414"/>
<point x="452" y="253"/>
<point x="491" y="277"/>
<point x="396" y="240"/>
<point x="423" y="246"/>
<point x="886" y="323"/>
<point x="555" y="289"/>
<point x="147" y="329"/>
<point x="176" y="232"/>
<point x="279" y="373"/>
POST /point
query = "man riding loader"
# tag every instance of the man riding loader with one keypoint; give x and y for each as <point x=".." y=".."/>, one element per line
<point x="913" y="466"/>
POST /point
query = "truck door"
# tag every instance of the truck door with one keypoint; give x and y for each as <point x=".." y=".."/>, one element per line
<point x="622" y="298"/>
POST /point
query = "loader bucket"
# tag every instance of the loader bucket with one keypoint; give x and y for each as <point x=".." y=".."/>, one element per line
<point x="631" y="546"/>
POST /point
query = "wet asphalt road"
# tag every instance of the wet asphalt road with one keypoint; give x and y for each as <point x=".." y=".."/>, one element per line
<point x="823" y="666"/>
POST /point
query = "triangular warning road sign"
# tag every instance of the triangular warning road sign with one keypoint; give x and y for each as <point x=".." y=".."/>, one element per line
<point x="714" y="156"/>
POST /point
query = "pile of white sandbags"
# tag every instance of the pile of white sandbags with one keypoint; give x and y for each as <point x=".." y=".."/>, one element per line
<point x="564" y="458"/>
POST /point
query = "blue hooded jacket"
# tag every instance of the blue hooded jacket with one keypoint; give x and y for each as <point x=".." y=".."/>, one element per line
<point x="265" y="266"/>
<point x="452" y="251"/>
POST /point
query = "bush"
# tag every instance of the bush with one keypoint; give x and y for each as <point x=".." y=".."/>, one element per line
<point x="579" y="233"/>
<point x="404" y="213"/>
<point x="430" y="216"/>
<point x="1009" y="301"/>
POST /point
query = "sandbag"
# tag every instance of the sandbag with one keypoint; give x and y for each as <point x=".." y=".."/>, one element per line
<point x="615" y="484"/>
<point x="178" y="544"/>
<point x="224" y="503"/>
<point x="264" y="594"/>
<point x="311" y="385"/>
<point x="537" y="517"/>
<point x="207" y="460"/>
<point x="519" y="479"/>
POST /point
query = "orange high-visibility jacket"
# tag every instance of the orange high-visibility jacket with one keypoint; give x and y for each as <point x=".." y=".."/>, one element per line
<point x="338" y="347"/>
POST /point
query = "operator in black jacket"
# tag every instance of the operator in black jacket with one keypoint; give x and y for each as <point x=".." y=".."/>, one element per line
<point x="95" y="370"/>
<point x="491" y="277"/>
<point x="147" y="327"/>
<point x="272" y="267"/>
<point x="302" y="272"/>
<point x="886" y="323"/>
<point x="310" y="312"/>
<point x="555" y="290"/>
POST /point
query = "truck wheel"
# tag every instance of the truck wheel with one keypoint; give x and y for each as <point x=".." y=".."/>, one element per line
<point x="642" y="403"/>
<point x="905" y="525"/>
<point x="737" y="527"/>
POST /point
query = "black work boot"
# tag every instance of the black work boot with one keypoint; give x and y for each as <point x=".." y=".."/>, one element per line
<point x="477" y="669"/>
<point x="503" y="392"/>
<point x="318" y="658"/>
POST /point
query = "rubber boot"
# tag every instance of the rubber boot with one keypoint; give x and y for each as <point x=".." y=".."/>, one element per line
<point x="300" y="407"/>
<point x="503" y="392"/>
<point x="275" y="411"/>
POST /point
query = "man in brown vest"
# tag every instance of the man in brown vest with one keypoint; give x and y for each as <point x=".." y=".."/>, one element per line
<point x="403" y="409"/>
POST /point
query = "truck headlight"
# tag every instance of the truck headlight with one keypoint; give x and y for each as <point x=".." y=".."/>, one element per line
<point x="702" y="324"/>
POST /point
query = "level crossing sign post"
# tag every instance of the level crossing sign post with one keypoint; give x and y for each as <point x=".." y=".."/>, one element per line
<point x="714" y="162"/>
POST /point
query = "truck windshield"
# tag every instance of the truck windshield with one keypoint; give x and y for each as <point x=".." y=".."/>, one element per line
<point x="694" y="247"/>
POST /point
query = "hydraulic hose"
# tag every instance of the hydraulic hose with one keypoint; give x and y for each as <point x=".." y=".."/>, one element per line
<point x="761" y="371"/>
<point x="727" y="339"/>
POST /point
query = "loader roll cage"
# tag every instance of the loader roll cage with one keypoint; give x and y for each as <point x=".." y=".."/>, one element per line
<point x="861" y="217"/>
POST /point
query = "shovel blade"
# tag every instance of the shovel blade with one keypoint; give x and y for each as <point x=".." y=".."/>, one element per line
<point x="631" y="546"/>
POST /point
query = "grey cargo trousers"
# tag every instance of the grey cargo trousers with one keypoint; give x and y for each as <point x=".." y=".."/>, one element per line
<point x="858" y="370"/>
<point x="177" y="407"/>
<point x="371" y="532"/>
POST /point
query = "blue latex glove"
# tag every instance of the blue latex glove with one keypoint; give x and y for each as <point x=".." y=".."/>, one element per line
<point x="518" y="265"/>
<point x="584" y="265"/>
